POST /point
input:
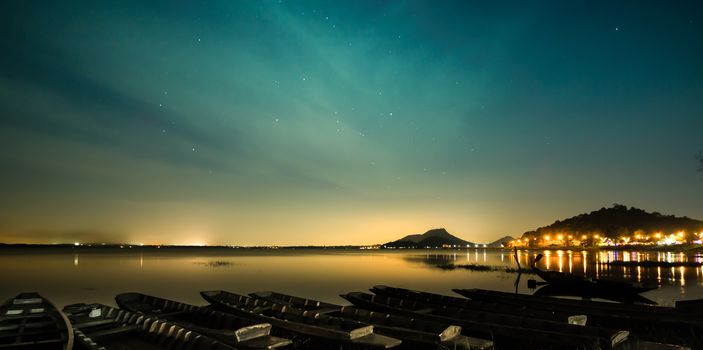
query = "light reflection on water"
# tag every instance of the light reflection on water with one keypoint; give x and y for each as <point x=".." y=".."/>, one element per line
<point x="70" y="276"/>
<point x="595" y="264"/>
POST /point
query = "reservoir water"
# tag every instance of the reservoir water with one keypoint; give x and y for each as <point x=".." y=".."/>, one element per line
<point x="84" y="275"/>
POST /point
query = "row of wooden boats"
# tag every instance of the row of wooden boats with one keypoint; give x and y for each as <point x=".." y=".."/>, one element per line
<point x="388" y="318"/>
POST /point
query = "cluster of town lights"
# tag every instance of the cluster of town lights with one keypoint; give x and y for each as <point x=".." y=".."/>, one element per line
<point x="658" y="238"/>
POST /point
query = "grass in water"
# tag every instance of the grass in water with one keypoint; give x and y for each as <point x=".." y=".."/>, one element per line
<point x="484" y="268"/>
<point x="217" y="263"/>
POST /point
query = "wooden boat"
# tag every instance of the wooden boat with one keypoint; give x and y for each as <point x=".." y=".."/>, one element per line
<point x="555" y="290"/>
<point x="439" y="300"/>
<point x="586" y="306"/>
<point x="506" y="331"/>
<point x="101" y="327"/>
<point x="28" y="321"/>
<point x="655" y="323"/>
<point x="690" y="306"/>
<point x="586" y="286"/>
<point x="236" y="331"/>
<point x="420" y="333"/>
<point x="323" y="329"/>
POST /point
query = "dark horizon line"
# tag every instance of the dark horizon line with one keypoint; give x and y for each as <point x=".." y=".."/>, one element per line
<point x="178" y="246"/>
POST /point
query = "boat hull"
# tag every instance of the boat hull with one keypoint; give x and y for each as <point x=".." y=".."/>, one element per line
<point x="29" y="321"/>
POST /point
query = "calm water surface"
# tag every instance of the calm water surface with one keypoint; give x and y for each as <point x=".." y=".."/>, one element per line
<point x="96" y="276"/>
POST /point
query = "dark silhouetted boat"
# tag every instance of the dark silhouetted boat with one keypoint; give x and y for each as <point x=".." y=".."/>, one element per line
<point x="230" y="329"/>
<point x="327" y="331"/>
<point x="442" y="301"/>
<point x="690" y="306"/>
<point x="101" y="327"/>
<point x="654" y="323"/>
<point x="586" y="287"/>
<point x="555" y="290"/>
<point x="509" y="332"/>
<point x="28" y="321"/>
<point x="420" y="333"/>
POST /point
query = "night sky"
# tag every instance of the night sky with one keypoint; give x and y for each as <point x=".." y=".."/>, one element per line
<point x="324" y="122"/>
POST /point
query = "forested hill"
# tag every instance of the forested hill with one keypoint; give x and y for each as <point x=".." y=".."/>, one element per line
<point x="618" y="221"/>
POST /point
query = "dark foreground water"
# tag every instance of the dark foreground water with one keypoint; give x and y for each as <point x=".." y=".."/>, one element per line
<point x="72" y="276"/>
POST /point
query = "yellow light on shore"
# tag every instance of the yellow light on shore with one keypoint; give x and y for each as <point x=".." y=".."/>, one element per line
<point x="546" y="237"/>
<point x="597" y="236"/>
<point x="584" y="237"/>
<point x="560" y="237"/>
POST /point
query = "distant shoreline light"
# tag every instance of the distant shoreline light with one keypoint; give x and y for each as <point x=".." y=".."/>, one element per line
<point x="597" y="240"/>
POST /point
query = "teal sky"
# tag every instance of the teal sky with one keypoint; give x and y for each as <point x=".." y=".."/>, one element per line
<point x="329" y="122"/>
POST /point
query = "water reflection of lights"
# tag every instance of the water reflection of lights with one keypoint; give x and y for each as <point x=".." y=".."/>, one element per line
<point x="597" y="269"/>
<point x="75" y="260"/>
<point x="547" y="253"/>
<point x="597" y="264"/>
<point x="659" y="275"/>
<point x="683" y="280"/>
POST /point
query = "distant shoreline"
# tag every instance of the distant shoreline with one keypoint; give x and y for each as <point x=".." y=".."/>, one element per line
<point x="690" y="248"/>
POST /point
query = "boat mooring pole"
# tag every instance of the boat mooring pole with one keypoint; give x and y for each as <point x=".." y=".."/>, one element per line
<point x="519" y="270"/>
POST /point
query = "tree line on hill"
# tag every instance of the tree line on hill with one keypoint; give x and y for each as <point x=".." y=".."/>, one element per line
<point x="616" y="222"/>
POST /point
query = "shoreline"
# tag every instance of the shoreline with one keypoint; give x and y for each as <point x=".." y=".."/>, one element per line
<point x="87" y="248"/>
